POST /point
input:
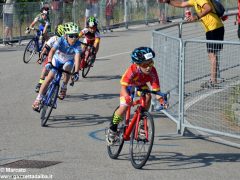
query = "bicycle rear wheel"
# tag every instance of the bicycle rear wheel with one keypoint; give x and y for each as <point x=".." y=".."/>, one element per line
<point x="115" y="149"/>
<point x="29" y="51"/>
<point x="141" y="146"/>
<point x="87" y="67"/>
<point x="51" y="97"/>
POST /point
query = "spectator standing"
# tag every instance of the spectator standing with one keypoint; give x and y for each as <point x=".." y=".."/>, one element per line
<point x="91" y="9"/>
<point x="239" y="19"/>
<point x="8" y="9"/>
<point x="57" y="12"/>
<point x="162" y="14"/>
<point x="109" y="13"/>
<point x="214" y="29"/>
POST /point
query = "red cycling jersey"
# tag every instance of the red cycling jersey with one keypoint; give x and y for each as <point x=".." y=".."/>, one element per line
<point x="135" y="77"/>
<point x="90" y="38"/>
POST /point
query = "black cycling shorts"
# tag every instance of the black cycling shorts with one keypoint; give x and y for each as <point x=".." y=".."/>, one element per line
<point x="216" y="35"/>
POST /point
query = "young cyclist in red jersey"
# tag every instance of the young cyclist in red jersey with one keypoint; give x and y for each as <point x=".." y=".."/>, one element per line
<point x="91" y="36"/>
<point x="138" y="74"/>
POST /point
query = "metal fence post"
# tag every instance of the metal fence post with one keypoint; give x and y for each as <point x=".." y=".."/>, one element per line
<point x="74" y="11"/>
<point x="126" y="13"/>
<point x="180" y="126"/>
<point x="146" y="12"/>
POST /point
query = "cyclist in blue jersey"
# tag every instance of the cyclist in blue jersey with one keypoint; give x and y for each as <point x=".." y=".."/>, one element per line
<point x="64" y="53"/>
<point x="59" y="31"/>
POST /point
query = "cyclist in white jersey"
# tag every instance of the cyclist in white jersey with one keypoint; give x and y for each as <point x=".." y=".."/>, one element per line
<point x="65" y="52"/>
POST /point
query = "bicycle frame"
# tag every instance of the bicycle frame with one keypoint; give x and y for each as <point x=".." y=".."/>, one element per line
<point x="38" y="33"/>
<point x="135" y="119"/>
<point x="54" y="82"/>
<point x="87" y="54"/>
<point x="129" y="123"/>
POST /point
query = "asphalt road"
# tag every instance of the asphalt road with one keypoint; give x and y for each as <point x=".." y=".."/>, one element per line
<point x="74" y="141"/>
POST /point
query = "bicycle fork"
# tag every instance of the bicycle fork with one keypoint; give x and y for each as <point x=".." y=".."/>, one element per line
<point x="135" y="121"/>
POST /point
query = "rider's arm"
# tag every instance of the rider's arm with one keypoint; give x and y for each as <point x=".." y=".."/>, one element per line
<point x="96" y="44"/>
<point x="155" y="84"/>
<point x="81" y="34"/>
<point x="77" y="59"/>
<point x="46" y="27"/>
<point x="179" y="3"/>
<point x="124" y="91"/>
<point x="34" y="22"/>
<point x="51" y="53"/>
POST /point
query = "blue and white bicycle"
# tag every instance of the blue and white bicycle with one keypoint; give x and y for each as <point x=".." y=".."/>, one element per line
<point x="49" y="102"/>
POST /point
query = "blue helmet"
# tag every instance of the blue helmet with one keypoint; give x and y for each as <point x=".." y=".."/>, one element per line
<point x="142" y="54"/>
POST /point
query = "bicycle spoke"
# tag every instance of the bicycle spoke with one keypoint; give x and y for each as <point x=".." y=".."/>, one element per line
<point x="141" y="146"/>
<point x="29" y="51"/>
<point x="115" y="149"/>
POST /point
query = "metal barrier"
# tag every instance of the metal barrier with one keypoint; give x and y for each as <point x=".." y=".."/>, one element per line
<point x="183" y="65"/>
<point x="125" y="13"/>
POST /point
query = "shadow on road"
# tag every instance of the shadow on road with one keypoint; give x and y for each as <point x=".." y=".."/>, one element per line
<point x="85" y="97"/>
<point x="178" y="161"/>
<point x="75" y="120"/>
<point x="102" y="78"/>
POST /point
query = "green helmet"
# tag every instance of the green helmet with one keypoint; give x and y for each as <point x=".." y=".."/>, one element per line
<point x="71" y="28"/>
<point x="92" y="22"/>
<point x="59" y="31"/>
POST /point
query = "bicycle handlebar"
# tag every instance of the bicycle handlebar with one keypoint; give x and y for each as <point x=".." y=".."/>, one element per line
<point x="165" y="96"/>
<point x="85" y="44"/>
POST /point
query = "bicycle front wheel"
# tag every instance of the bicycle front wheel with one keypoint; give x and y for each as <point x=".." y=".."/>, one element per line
<point x="29" y="51"/>
<point x="49" y="103"/>
<point x="87" y="67"/>
<point x="141" y="142"/>
<point x="115" y="149"/>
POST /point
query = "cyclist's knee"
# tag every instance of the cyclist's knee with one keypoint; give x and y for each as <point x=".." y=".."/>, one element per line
<point x="68" y="66"/>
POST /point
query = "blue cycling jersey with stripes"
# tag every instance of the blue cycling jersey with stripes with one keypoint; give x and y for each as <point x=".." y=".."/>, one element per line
<point x="64" y="51"/>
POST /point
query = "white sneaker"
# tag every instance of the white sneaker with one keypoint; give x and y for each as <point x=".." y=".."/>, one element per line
<point x="111" y="137"/>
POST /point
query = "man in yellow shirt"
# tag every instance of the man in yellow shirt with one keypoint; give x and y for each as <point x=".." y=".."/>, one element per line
<point x="213" y="27"/>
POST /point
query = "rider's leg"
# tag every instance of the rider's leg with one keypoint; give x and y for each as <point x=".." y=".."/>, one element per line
<point x="42" y="90"/>
<point x="117" y="117"/>
<point x="148" y="101"/>
<point x="67" y="67"/>
<point x="82" y="63"/>
<point x="43" y="74"/>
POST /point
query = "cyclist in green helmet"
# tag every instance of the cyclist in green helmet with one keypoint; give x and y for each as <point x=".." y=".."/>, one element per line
<point x="91" y="35"/>
<point x="59" y="31"/>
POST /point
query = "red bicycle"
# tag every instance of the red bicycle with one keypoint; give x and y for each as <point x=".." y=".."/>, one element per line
<point x="87" y="59"/>
<point x="141" y="142"/>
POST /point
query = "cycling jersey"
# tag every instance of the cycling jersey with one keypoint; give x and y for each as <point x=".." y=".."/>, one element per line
<point x="90" y="38"/>
<point x="64" y="51"/>
<point x="51" y="41"/>
<point x="42" y="22"/>
<point x="135" y="77"/>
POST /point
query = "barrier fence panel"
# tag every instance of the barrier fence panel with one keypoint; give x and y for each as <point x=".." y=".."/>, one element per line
<point x="214" y="110"/>
<point x="167" y="65"/>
